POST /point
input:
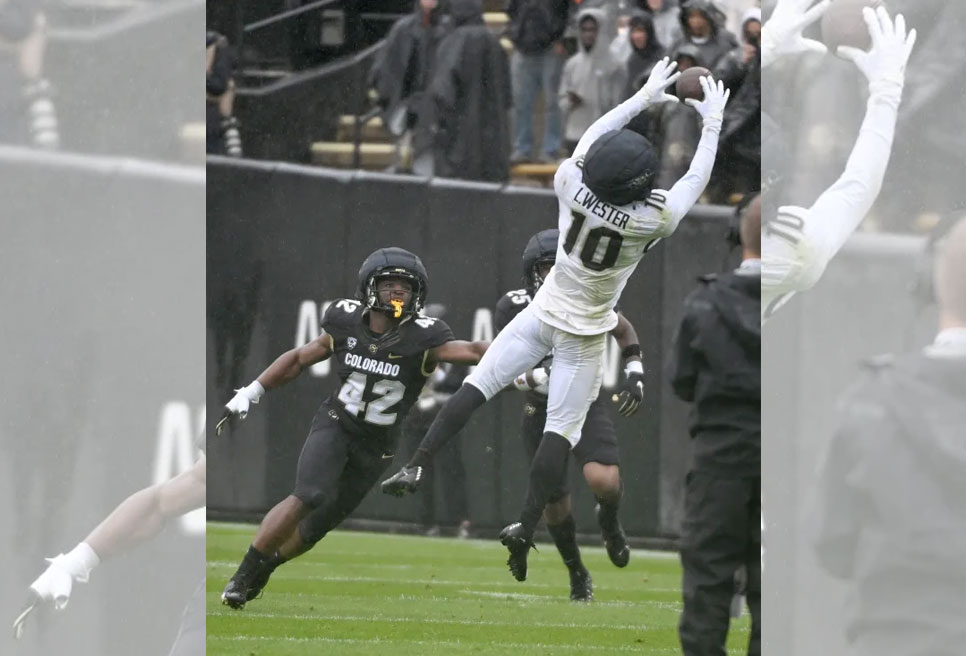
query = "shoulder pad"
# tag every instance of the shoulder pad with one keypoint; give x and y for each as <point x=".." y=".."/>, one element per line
<point x="432" y="332"/>
<point x="340" y="312"/>
<point x="657" y="199"/>
<point x="516" y="297"/>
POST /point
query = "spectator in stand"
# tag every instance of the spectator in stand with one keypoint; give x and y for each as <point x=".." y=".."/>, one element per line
<point x="592" y="80"/>
<point x="400" y="76"/>
<point x="666" y="24"/>
<point x="702" y="25"/>
<point x="639" y="50"/>
<point x="27" y="112"/>
<point x="222" y="136"/>
<point x="471" y="97"/>
<point x="739" y="151"/>
<point x="673" y="128"/>
<point x="536" y="29"/>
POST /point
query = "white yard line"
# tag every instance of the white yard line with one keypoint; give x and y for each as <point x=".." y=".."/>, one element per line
<point x="443" y="643"/>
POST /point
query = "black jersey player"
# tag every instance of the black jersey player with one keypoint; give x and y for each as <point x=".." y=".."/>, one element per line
<point x="596" y="452"/>
<point x="383" y="349"/>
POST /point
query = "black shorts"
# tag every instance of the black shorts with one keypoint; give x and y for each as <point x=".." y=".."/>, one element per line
<point x="598" y="436"/>
<point x="335" y="472"/>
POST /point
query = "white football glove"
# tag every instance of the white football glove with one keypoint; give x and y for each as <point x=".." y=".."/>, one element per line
<point x="782" y="34"/>
<point x="240" y="403"/>
<point x="891" y="46"/>
<point x="57" y="582"/>
<point x="716" y="97"/>
<point x="537" y="380"/>
<point x="662" y="76"/>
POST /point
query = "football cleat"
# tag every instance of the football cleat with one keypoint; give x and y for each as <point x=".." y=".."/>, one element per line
<point x="235" y="595"/>
<point x="514" y="538"/>
<point x="581" y="585"/>
<point x="616" y="544"/>
<point x="258" y="583"/>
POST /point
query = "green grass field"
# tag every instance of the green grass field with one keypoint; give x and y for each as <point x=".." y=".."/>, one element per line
<point x="373" y="593"/>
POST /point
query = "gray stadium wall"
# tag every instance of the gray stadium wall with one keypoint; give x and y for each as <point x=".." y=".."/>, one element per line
<point x="101" y="395"/>
<point x="283" y="239"/>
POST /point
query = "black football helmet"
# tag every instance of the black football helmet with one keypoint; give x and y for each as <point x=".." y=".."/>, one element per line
<point x="397" y="263"/>
<point x="620" y="167"/>
<point x="541" y="249"/>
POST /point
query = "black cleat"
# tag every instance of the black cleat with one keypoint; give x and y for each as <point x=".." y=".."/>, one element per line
<point x="235" y="595"/>
<point x="616" y="544"/>
<point x="258" y="583"/>
<point x="514" y="538"/>
<point x="581" y="585"/>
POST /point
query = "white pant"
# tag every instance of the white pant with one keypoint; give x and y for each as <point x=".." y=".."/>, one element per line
<point x="578" y="365"/>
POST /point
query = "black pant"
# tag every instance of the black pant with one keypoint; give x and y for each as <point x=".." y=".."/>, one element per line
<point x="335" y="472"/>
<point x="721" y="533"/>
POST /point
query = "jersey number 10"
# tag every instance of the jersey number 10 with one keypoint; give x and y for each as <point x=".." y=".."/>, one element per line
<point x="588" y="253"/>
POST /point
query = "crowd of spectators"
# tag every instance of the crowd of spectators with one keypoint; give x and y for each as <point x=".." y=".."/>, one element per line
<point x="466" y="100"/>
<point x="583" y="58"/>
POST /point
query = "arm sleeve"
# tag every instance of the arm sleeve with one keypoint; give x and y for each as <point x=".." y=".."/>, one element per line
<point x="840" y="209"/>
<point x="686" y="191"/>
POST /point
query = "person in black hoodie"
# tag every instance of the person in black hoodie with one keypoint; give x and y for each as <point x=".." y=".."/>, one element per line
<point x="890" y="517"/>
<point x="645" y="50"/>
<point x="470" y="94"/>
<point x="400" y="74"/>
<point x="702" y="25"/>
<point x="716" y="365"/>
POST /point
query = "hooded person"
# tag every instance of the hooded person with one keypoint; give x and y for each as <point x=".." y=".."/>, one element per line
<point x="403" y="69"/>
<point x="471" y="94"/>
<point x="592" y="79"/>
<point x="888" y="516"/>
<point x="702" y="25"/>
<point x="740" y="152"/>
<point x="639" y="49"/>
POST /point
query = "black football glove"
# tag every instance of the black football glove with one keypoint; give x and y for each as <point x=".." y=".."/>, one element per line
<point x="407" y="479"/>
<point x="631" y="395"/>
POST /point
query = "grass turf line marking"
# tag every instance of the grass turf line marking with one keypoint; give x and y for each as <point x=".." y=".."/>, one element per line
<point x="422" y="620"/>
<point x="441" y="643"/>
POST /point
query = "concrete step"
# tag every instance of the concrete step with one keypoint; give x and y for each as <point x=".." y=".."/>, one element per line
<point x="372" y="156"/>
<point x="496" y="20"/>
<point x="372" y="132"/>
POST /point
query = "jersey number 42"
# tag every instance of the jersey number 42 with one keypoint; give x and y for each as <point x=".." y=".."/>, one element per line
<point x="376" y="411"/>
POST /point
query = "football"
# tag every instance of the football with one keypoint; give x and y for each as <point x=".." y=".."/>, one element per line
<point x="688" y="85"/>
<point x="843" y="25"/>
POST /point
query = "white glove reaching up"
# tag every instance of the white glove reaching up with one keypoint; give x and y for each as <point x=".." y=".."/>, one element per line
<point x="782" y="34"/>
<point x="239" y="404"/>
<point x="662" y="76"/>
<point x="891" y="46"/>
<point x="57" y="582"/>
<point x="716" y="97"/>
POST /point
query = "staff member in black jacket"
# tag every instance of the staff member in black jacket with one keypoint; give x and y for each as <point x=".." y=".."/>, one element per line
<point x="716" y="366"/>
<point x="891" y="517"/>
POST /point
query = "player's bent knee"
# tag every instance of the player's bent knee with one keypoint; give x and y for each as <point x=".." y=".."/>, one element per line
<point x="312" y="497"/>
<point x="604" y="480"/>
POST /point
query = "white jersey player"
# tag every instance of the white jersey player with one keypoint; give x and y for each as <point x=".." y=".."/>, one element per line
<point x="609" y="218"/>
<point x="798" y="243"/>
